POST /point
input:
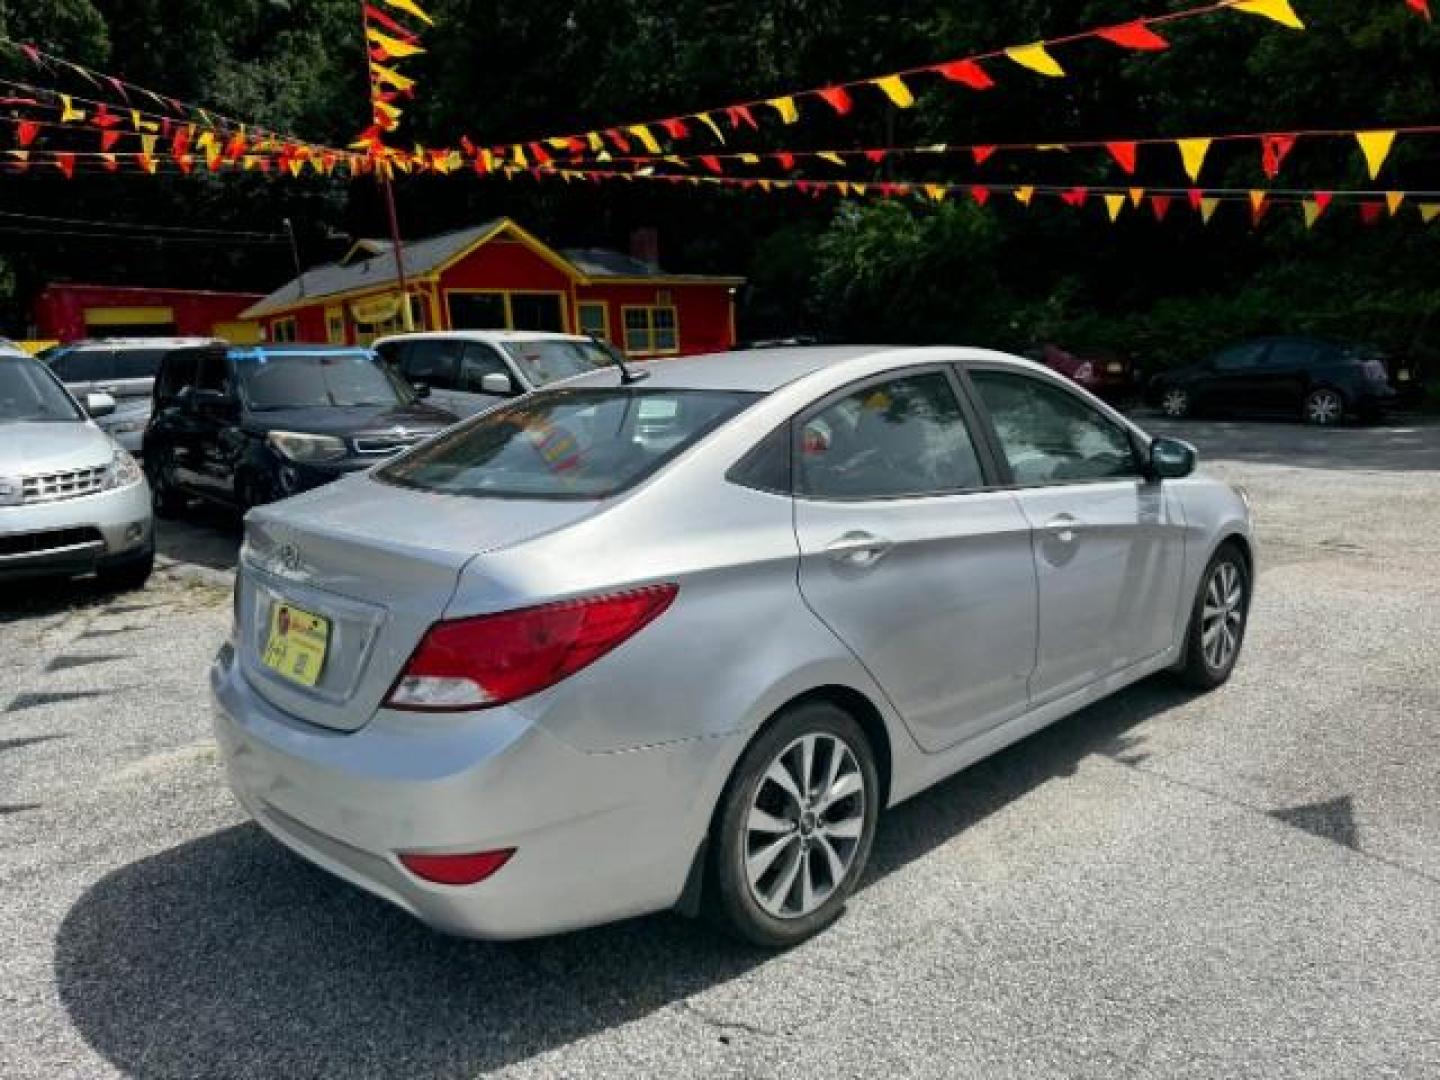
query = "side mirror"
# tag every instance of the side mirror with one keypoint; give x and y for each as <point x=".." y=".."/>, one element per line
<point x="98" y="405"/>
<point x="422" y="390"/>
<point x="1171" y="459"/>
<point x="497" y="383"/>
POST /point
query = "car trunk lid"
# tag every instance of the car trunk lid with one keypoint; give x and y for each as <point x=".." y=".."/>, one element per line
<point x="379" y="564"/>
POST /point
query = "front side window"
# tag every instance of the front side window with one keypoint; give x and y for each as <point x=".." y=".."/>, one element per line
<point x="297" y="380"/>
<point x="138" y="363"/>
<point x="434" y="362"/>
<point x="1051" y="436"/>
<point x="1240" y="357"/>
<point x="544" y="362"/>
<point x="29" y="393"/>
<point x="650" y="330"/>
<point x="84" y="365"/>
<point x="888" y="440"/>
<point x="479" y="361"/>
<point x="566" y="444"/>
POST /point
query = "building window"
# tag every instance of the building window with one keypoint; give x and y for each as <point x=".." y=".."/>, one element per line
<point x="284" y="330"/>
<point x="335" y="325"/>
<point x="506" y="311"/>
<point x="595" y="319"/>
<point x="651" y="331"/>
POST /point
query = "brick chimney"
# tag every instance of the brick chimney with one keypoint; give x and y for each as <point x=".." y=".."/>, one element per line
<point x="645" y="246"/>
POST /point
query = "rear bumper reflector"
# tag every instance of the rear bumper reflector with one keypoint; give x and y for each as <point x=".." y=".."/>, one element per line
<point x="464" y="869"/>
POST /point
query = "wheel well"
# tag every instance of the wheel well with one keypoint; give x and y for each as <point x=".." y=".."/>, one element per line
<point x="866" y="715"/>
<point x="1238" y="541"/>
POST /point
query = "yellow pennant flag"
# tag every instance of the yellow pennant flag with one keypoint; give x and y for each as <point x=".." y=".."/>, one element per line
<point x="1137" y="196"/>
<point x="1192" y="153"/>
<point x="1207" y="209"/>
<point x="1257" y="200"/>
<point x="1375" y="145"/>
<point x="70" y="114"/>
<point x="859" y="189"/>
<point x="1113" y="205"/>
<point x="24" y="155"/>
<point x="410" y="8"/>
<point x="1312" y="212"/>
<point x="832" y="157"/>
<point x="1429" y="212"/>
<point x="384" y="76"/>
<point x="936" y="192"/>
<point x="1036" y="58"/>
<point x="517" y="156"/>
<point x="709" y="121"/>
<point x="647" y="139"/>
<point x="558" y="142"/>
<point x="147" y="145"/>
<point x="896" y="90"/>
<point x="393" y="48"/>
<point x="296" y="167"/>
<point x="765" y="186"/>
<point x="1024" y="194"/>
<point x="1278" y="10"/>
<point x="676" y="160"/>
<point x="748" y="159"/>
<point x="1393" y="199"/>
<point x="785" y="106"/>
<point x="843" y="188"/>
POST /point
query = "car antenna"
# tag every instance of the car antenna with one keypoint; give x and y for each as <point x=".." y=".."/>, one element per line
<point x="628" y="376"/>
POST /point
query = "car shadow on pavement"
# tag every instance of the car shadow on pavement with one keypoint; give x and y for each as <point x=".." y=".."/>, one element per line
<point x="1395" y="446"/>
<point x="30" y="598"/>
<point x="206" y="535"/>
<point x="229" y="956"/>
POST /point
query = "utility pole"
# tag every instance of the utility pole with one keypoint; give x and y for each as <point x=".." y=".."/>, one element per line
<point x="295" y="254"/>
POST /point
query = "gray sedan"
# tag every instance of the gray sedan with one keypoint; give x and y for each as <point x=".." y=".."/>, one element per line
<point x="675" y="641"/>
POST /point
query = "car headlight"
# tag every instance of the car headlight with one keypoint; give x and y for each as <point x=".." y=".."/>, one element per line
<point x="124" y="471"/>
<point x="306" y="448"/>
<point x="12" y="491"/>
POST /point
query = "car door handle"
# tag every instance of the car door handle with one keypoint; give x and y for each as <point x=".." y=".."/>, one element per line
<point x="858" y="549"/>
<point x="1063" y="527"/>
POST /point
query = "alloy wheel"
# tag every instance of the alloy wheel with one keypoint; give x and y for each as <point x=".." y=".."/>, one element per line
<point x="1324" y="407"/>
<point x="1223" y="616"/>
<point x="805" y="825"/>
<point x="1175" y="403"/>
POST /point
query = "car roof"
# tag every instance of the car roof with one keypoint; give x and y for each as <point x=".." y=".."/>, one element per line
<point x="491" y="336"/>
<point x="141" y="343"/>
<point x="766" y="370"/>
<point x="241" y="352"/>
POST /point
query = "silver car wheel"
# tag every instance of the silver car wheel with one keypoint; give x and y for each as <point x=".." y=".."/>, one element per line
<point x="1324" y="407"/>
<point x="1223" y="616"/>
<point x="1175" y="403"/>
<point x="804" y="826"/>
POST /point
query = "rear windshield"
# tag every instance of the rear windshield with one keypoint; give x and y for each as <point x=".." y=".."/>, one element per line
<point x="566" y="444"/>
<point x="544" y="362"/>
<point x="295" y="380"/>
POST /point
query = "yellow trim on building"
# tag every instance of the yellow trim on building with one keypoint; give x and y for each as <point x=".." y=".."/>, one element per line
<point x="129" y="316"/>
<point x="604" y="306"/>
<point x="650" y="310"/>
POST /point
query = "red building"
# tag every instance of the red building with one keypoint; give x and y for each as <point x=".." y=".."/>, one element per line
<point x="498" y="276"/>
<point x="72" y="312"/>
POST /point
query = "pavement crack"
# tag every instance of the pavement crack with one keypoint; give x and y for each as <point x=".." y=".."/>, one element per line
<point x="718" y="1024"/>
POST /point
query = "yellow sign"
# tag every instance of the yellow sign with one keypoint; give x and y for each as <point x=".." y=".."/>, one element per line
<point x="297" y="644"/>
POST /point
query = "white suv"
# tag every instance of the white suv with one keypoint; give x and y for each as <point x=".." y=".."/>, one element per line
<point x="468" y="371"/>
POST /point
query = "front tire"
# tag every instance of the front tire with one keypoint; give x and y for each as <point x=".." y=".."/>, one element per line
<point x="1324" y="407"/>
<point x="1217" y="621"/>
<point x="795" y="827"/>
<point x="165" y="499"/>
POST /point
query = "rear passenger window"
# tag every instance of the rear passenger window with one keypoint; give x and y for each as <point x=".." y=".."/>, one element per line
<point x="1290" y="355"/>
<point x="138" y="363"/>
<point x="891" y="439"/>
<point x="84" y="365"/>
<point x="1051" y="436"/>
<point x="176" y="374"/>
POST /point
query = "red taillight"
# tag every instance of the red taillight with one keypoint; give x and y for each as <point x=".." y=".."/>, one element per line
<point x="468" y="869"/>
<point x="493" y="659"/>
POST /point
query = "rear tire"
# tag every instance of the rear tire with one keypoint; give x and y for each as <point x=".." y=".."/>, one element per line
<point x="165" y="500"/>
<point x="787" y="851"/>
<point x="1218" y="620"/>
<point x="1175" y="403"/>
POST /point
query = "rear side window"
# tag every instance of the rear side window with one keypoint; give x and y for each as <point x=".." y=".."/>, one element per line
<point x="138" y="363"/>
<point x="888" y="440"/>
<point x="176" y="373"/>
<point x="84" y="365"/>
<point x="1051" y="436"/>
<point x="566" y="444"/>
<point x="1289" y="355"/>
<point x="1240" y="357"/>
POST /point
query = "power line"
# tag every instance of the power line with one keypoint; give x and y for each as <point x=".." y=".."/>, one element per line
<point x="20" y="230"/>
<point x="142" y="227"/>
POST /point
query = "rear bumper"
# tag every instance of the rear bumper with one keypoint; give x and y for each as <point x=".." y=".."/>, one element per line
<point x="598" y="837"/>
<point x="118" y="525"/>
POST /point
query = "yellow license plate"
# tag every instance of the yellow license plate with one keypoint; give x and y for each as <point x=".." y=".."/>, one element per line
<point x="297" y="643"/>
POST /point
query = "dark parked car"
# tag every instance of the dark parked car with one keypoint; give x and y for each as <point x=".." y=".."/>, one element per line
<point x="246" y="426"/>
<point x="1313" y="379"/>
<point x="1105" y="374"/>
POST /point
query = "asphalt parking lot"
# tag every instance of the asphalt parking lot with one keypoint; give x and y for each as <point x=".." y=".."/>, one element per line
<point x="1242" y="884"/>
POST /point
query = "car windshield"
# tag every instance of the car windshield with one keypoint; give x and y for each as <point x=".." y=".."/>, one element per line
<point x="543" y="362"/>
<point x="331" y="378"/>
<point x="28" y="393"/>
<point x="566" y="444"/>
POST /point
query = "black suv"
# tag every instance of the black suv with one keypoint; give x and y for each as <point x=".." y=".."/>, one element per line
<point x="1313" y="379"/>
<point x="250" y="425"/>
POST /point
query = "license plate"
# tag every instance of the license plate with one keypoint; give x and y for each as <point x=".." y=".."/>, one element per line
<point x="297" y="643"/>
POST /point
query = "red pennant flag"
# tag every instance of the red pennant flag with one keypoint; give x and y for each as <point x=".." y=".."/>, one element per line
<point x="1370" y="212"/>
<point x="740" y="114"/>
<point x="1076" y="196"/>
<point x="1160" y="206"/>
<point x="713" y="164"/>
<point x="787" y="161"/>
<point x="982" y="154"/>
<point x="235" y="149"/>
<point x="617" y="137"/>
<point x="26" y="131"/>
<point x="66" y="164"/>
<point x="538" y="152"/>
<point x="108" y="139"/>
<point x="875" y="157"/>
<point x="1196" y="197"/>
<point x="1124" y="154"/>
<point x="181" y="143"/>
<point x="104" y="118"/>
<point x="375" y="15"/>
<point x="1420" y="6"/>
<point x="838" y="98"/>
<point x="1322" y="199"/>
<point x="33" y="54"/>
<point x="185" y="162"/>
<point x="980" y="194"/>
<point x="1134" y="35"/>
<point x="1273" y="151"/>
<point x="674" y="127"/>
<point x="967" y="73"/>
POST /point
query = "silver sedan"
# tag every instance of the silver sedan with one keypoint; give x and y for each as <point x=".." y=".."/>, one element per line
<point x="675" y="641"/>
